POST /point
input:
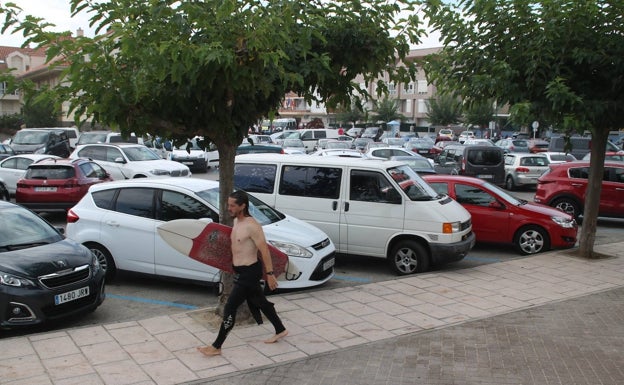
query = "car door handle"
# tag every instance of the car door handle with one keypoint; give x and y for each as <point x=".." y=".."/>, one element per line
<point x="577" y="184"/>
<point x="112" y="223"/>
<point x="334" y="205"/>
<point x="346" y="206"/>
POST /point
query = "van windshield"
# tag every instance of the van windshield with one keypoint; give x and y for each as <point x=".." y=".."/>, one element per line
<point x="412" y="184"/>
<point x="30" y="137"/>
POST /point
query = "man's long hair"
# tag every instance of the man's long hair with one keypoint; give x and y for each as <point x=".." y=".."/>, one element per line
<point x="241" y="197"/>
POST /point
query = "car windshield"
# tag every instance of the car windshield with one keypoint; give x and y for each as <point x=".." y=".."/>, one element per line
<point x="262" y="212"/>
<point x="89" y="137"/>
<point x="30" y="137"/>
<point x="140" y="153"/>
<point x="412" y="184"/>
<point x="50" y="172"/>
<point x="23" y="229"/>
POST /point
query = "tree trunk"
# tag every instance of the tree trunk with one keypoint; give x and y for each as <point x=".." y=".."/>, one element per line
<point x="587" y="233"/>
<point x="227" y="152"/>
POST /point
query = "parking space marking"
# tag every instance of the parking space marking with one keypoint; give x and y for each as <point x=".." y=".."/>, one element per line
<point x="482" y="259"/>
<point x="352" y="279"/>
<point x="152" y="301"/>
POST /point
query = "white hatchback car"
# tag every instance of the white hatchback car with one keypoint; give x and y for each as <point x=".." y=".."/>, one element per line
<point x="13" y="169"/>
<point x="127" y="161"/>
<point x="117" y="221"/>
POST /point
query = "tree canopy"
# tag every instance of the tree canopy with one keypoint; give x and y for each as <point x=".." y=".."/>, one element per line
<point x="215" y="67"/>
<point x="564" y="60"/>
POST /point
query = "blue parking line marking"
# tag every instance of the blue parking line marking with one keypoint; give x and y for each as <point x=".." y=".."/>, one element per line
<point x="152" y="301"/>
<point x="352" y="279"/>
<point x="481" y="259"/>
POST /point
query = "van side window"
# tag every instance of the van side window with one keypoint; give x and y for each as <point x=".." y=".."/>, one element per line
<point x="309" y="181"/>
<point x="258" y="178"/>
<point x="370" y="186"/>
<point x="321" y="135"/>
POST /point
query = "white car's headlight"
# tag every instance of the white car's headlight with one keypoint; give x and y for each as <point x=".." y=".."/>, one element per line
<point x="564" y="222"/>
<point x="12" y="280"/>
<point x="159" y="172"/>
<point x="41" y="150"/>
<point x="292" y="250"/>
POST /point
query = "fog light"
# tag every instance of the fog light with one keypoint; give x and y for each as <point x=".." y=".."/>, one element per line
<point x="16" y="311"/>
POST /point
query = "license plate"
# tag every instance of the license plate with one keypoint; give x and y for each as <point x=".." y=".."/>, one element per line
<point x="329" y="264"/>
<point x="71" y="295"/>
<point x="485" y="176"/>
<point x="423" y="151"/>
<point x="45" y="189"/>
<point x="187" y="163"/>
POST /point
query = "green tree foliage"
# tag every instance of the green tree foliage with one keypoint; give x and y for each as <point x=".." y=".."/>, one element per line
<point x="350" y="115"/>
<point x="215" y="67"/>
<point x="479" y="113"/>
<point x="386" y="110"/>
<point x="39" y="109"/>
<point x="563" y="59"/>
<point x="444" y="110"/>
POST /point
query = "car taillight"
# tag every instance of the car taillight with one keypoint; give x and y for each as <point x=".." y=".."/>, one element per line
<point x="522" y="169"/>
<point x="72" y="217"/>
<point x="71" y="183"/>
<point x="511" y="148"/>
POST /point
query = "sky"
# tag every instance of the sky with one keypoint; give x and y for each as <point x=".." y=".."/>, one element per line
<point x="58" y="12"/>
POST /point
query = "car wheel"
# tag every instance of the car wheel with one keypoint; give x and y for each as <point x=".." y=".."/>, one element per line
<point x="4" y="193"/>
<point x="568" y="206"/>
<point x="409" y="257"/>
<point x="531" y="240"/>
<point x="105" y="259"/>
<point x="509" y="183"/>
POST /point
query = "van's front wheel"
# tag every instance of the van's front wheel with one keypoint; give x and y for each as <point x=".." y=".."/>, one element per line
<point x="409" y="257"/>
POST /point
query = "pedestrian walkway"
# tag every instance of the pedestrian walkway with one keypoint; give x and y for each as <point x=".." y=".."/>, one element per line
<point x="354" y="335"/>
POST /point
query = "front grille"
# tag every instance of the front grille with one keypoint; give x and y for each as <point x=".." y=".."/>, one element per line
<point x="67" y="277"/>
<point x="54" y="311"/>
<point x="179" y="173"/>
<point x="318" y="274"/>
<point x="321" y="245"/>
<point x="465" y="225"/>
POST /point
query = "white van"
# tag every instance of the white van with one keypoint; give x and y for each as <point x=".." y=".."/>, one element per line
<point x="373" y="208"/>
<point x="310" y="136"/>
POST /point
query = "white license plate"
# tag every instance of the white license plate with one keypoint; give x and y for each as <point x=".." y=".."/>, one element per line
<point x="329" y="264"/>
<point x="191" y="163"/>
<point x="485" y="176"/>
<point x="45" y="189"/>
<point x="71" y="295"/>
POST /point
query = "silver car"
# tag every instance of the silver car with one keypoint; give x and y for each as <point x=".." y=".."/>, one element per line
<point x="523" y="169"/>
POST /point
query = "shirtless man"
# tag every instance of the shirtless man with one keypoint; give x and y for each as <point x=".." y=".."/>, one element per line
<point x="247" y="238"/>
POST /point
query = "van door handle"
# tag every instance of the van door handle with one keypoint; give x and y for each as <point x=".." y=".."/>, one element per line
<point x="346" y="206"/>
<point x="334" y="205"/>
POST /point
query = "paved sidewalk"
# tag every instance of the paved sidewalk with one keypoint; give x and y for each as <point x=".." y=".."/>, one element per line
<point x="466" y="326"/>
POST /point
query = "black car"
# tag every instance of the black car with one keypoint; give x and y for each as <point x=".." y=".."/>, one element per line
<point x="6" y="151"/>
<point x="43" y="275"/>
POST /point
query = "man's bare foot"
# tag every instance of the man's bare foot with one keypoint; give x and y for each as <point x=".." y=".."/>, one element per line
<point x="276" y="337"/>
<point x="209" y="351"/>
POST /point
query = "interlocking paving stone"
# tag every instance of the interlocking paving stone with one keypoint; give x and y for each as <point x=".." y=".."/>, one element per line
<point x="572" y="342"/>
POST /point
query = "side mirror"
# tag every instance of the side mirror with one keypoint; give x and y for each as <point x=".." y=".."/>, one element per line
<point x="119" y="160"/>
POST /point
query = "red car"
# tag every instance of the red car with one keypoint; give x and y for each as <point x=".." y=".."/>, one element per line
<point x="498" y="217"/>
<point x="564" y="186"/>
<point x="58" y="184"/>
<point x="538" y="145"/>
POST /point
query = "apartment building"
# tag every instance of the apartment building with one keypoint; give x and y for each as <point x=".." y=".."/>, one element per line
<point x="20" y="60"/>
